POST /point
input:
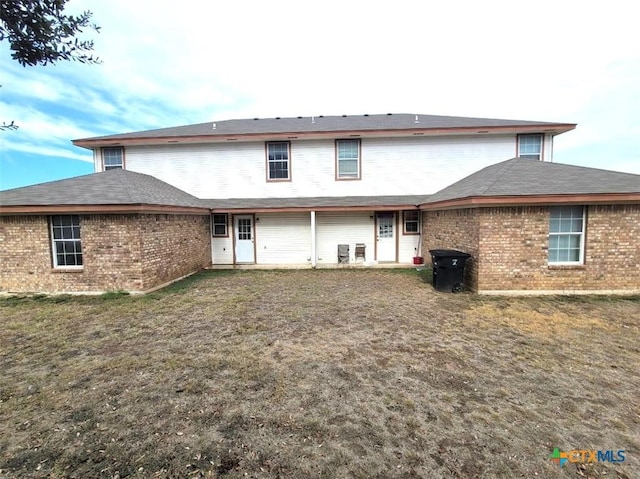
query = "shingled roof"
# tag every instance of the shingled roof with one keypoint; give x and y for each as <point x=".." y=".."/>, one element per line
<point x="521" y="177"/>
<point x="112" y="187"/>
<point x="318" y="203"/>
<point x="518" y="180"/>
<point x="119" y="187"/>
<point x="389" y="122"/>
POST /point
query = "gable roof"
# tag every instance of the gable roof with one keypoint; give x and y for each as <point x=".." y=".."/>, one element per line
<point x="390" y="123"/>
<point x="117" y="187"/>
<point x="521" y="178"/>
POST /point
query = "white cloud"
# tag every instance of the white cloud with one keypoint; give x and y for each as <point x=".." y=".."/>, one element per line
<point x="47" y="151"/>
<point x="40" y="126"/>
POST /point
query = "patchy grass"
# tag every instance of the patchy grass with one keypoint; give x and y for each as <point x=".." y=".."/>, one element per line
<point x="349" y="373"/>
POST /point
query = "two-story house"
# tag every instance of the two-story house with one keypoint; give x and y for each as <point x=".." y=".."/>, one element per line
<point x="307" y="192"/>
<point x="288" y="191"/>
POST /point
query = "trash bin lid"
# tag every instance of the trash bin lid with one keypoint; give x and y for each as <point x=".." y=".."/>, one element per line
<point x="448" y="253"/>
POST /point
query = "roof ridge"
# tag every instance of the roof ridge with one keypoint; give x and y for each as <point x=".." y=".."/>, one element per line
<point x="129" y="184"/>
<point x="507" y="166"/>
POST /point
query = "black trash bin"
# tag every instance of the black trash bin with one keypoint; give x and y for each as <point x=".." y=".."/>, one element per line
<point x="448" y="269"/>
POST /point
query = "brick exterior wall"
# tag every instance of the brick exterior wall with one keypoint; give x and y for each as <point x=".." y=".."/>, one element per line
<point x="513" y="249"/>
<point x="173" y="246"/>
<point x="509" y="248"/>
<point x="120" y="252"/>
<point x="453" y="229"/>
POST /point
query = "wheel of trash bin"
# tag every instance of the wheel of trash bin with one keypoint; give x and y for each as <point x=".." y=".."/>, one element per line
<point x="456" y="288"/>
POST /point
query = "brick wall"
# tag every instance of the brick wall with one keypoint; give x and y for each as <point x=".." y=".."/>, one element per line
<point x="25" y="254"/>
<point x="513" y="248"/>
<point x="453" y="229"/>
<point x="120" y="252"/>
<point x="509" y="246"/>
<point x="173" y="246"/>
<point x="612" y="254"/>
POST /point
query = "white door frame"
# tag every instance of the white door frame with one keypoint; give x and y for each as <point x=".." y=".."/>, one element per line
<point x="386" y="246"/>
<point x="244" y="239"/>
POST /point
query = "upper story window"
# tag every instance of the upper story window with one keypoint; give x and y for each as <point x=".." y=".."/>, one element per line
<point x="278" y="163"/>
<point x="566" y="235"/>
<point x="112" y="158"/>
<point x="530" y="146"/>
<point x="220" y="225"/>
<point x="411" y="222"/>
<point x="65" y="241"/>
<point x="347" y="159"/>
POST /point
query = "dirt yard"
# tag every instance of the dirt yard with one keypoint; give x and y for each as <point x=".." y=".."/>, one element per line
<point x="316" y="374"/>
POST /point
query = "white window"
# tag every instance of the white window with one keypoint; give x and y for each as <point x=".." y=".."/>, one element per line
<point x="112" y="158"/>
<point x="278" y="161"/>
<point x="411" y="222"/>
<point x="566" y="235"/>
<point x="530" y="146"/>
<point x="244" y="229"/>
<point x="348" y="159"/>
<point x="220" y="225"/>
<point x="66" y="242"/>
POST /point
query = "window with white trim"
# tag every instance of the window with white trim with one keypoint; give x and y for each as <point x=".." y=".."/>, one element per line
<point x="220" y="225"/>
<point x="411" y="222"/>
<point x="244" y="228"/>
<point x="65" y="241"/>
<point x="566" y="234"/>
<point x="112" y="157"/>
<point x="348" y="159"/>
<point x="278" y="168"/>
<point x="530" y="146"/>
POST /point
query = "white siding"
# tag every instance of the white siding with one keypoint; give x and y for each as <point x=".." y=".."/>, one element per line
<point x="222" y="250"/>
<point x="390" y="166"/>
<point x="408" y="245"/>
<point x="222" y="247"/>
<point x="344" y="228"/>
<point x="283" y="238"/>
<point x="547" y="153"/>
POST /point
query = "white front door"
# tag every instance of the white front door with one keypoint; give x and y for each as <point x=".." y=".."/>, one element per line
<point x="245" y="252"/>
<point x="386" y="237"/>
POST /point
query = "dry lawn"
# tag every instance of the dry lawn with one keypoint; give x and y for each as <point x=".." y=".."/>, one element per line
<point x="305" y="374"/>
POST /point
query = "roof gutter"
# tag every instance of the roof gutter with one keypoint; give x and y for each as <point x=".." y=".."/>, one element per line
<point x="532" y="200"/>
<point x="305" y="209"/>
<point x="102" y="209"/>
<point x="162" y="209"/>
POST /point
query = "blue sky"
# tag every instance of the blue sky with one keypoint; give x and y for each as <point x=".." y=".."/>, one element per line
<point x="569" y="61"/>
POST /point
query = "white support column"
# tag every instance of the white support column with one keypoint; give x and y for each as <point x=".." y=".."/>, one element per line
<point x="314" y="254"/>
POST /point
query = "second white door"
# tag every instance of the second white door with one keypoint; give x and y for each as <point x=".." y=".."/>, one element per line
<point x="245" y="252"/>
<point x="386" y="237"/>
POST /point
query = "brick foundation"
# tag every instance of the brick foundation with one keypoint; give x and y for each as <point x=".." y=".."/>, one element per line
<point x="133" y="252"/>
<point x="509" y="248"/>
